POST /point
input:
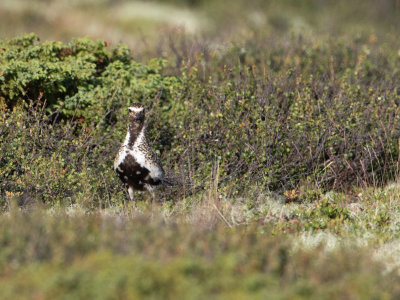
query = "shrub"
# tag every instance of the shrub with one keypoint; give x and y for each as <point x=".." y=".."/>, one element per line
<point x="322" y="115"/>
<point x="60" y="105"/>
<point x="258" y="117"/>
<point x="82" y="79"/>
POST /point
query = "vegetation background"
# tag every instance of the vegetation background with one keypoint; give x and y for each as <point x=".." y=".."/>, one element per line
<point x="279" y="118"/>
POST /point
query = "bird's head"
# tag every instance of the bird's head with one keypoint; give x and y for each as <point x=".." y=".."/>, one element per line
<point x="136" y="113"/>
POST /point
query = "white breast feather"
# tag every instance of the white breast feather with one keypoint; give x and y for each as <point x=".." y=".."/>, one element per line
<point x="126" y="141"/>
<point x="121" y="156"/>
<point x="137" y="154"/>
<point x="122" y="153"/>
<point x="154" y="169"/>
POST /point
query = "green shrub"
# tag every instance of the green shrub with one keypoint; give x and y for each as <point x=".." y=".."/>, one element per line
<point x="60" y="103"/>
<point x="80" y="79"/>
<point x="262" y="116"/>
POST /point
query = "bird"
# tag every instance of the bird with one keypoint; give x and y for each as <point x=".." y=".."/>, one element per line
<point x="136" y="164"/>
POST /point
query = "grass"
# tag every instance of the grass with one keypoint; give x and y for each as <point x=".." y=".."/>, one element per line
<point x="137" y="253"/>
<point x="224" y="248"/>
<point x="281" y="119"/>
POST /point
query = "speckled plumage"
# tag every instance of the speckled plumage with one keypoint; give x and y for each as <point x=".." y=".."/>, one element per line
<point x="136" y="164"/>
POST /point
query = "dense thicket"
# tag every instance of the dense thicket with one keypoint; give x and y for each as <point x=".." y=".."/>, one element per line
<point x="264" y="116"/>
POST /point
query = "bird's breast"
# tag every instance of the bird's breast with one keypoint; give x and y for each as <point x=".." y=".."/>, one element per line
<point x="134" y="166"/>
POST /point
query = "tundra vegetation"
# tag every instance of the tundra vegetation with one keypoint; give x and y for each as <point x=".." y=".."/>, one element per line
<point x="279" y="120"/>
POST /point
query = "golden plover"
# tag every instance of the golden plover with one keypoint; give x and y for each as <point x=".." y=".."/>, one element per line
<point x="136" y="164"/>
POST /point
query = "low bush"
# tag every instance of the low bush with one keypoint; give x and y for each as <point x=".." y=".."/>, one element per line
<point x="81" y="79"/>
<point x="263" y="117"/>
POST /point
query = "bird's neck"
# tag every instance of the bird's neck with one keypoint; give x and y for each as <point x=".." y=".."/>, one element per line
<point x="134" y="130"/>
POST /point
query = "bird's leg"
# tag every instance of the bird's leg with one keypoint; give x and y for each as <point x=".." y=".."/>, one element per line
<point x="130" y="190"/>
<point x="151" y="190"/>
